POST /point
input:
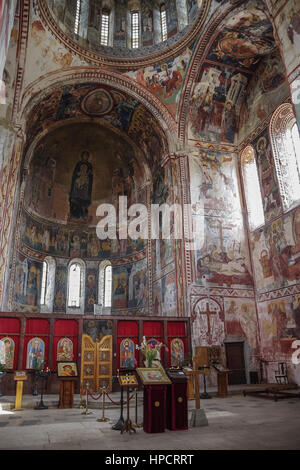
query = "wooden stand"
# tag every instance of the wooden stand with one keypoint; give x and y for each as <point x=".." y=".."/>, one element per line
<point x="19" y="377"/>
<point x="222" y="375"/>
<point x="128" y="427"/>
<point x="66" y="393"/>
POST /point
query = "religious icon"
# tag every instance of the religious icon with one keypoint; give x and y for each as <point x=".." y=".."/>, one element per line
<point x="127" y="353"/>
<point x="81" y="188"/>
<point x="67" y="369"/>
<point x="177" y="352"/>
<point x="35" y="353"/>
<point x="9" y="351"/>
<point x="64" y="350"/>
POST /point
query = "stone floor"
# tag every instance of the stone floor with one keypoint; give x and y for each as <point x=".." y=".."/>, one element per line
<point x="236" y="422"/>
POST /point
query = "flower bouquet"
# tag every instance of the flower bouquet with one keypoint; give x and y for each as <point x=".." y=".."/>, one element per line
<point x="150" y="350"/>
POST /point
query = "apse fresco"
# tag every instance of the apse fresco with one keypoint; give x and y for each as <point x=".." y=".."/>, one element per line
<point x="59" y="241"/>
<point x="116" y="108"/>
<point x="68" y="163"/>
<point x="276" y="253"/>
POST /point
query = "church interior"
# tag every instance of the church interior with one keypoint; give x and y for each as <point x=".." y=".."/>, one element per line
<point x="190" y="104"/>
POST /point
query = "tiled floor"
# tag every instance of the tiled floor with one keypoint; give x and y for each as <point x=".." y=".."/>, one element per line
<point x="235" y="422"/>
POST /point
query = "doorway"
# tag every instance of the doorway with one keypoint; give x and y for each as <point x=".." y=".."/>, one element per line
<point x="235" y="363"/>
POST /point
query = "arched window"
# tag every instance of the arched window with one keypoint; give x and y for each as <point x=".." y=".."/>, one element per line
<point x="104" y="27"/>
<point x="47" y="285"/>
<point x="44" y="283"/>
<point x="76" y="281"/>
<point x="163" y="22"/>
<point x="77" y="16"/>
<point x="285" y="141"/>
<point x="135" y="29"/>
<point x="105" y="284"/>
<point x="252" y="190"/>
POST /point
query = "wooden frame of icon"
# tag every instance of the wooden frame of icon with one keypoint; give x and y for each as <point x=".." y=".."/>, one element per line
<point x="153" y="376"/>
<point x="67" y="369"/>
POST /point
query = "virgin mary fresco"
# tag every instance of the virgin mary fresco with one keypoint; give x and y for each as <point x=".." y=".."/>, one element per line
<point x="81" y="188"/>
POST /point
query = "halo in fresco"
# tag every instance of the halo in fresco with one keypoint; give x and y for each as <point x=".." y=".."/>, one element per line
<point x="97" y="103"/>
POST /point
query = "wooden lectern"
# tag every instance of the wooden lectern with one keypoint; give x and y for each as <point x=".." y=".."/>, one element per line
<point x="19" y="377"/>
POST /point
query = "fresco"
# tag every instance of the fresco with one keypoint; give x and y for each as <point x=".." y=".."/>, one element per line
<point x="279" y="325"/>
<point x="146" y="23"/>
<point x="241" y="320"/>
<point x="130" y="286"/>
<point x="66" y="162"/>
<point x="60" y="294"/>
<point x="266" y="90"/>
<point x="288" y="28"/>
<point x="276" y="253"/>
<point x="97" y="329"/>
<point x="267" y="176"/>
<point x="58" y="241"/>
<point x="28" y="282"/>
<point x="7" y="12"/>
<point x="216" y="102"/>
<point x="221" y="254"/>
<point x="171" y="13"/>
<point x="207" y="323"/>
<point x="117" y="109"/>
<point x="91" y="288"/>
<point x="165" y="80"/>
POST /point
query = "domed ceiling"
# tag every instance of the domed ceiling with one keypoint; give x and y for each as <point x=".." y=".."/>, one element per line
<point x="77" y="24"/>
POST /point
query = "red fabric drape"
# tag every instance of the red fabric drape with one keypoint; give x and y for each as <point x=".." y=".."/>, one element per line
<point x="9" y="325"/>
<point x="152" y="329"/>
<point x="37" y="327"/>
<point x="66" y="327"/>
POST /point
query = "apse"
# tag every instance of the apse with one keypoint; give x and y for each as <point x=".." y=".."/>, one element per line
<point x="86" y="156"/>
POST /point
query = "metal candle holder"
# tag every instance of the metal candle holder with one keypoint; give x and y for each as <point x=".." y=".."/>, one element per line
<point x="103" y="419"/>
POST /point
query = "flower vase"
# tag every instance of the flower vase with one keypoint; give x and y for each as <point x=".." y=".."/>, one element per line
<point x="149" y="363"/>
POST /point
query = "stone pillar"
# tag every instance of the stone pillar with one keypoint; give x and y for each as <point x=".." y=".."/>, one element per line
<point x="9" y="197"/>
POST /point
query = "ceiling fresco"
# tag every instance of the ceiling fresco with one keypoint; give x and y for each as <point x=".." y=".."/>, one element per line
<point x="113" y="108"/>
<point x="234" y="56"/>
